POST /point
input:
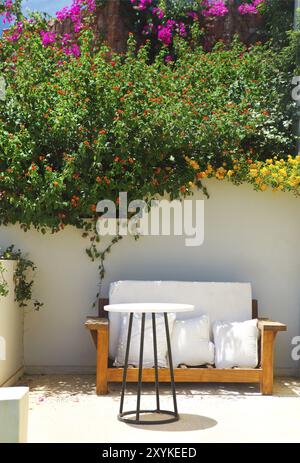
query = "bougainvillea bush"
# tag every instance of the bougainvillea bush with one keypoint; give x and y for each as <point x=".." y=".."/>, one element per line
<point x="80" y="123"/>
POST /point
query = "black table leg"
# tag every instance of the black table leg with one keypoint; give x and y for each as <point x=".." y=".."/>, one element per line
<point x="139" y="390"/>
<point x="171" y="365"/>
<point x="122" y="415"/>
<point x="126" y="363"/>
<point x="155" y="362"/>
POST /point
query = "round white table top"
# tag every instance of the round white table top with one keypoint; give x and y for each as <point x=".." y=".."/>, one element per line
<point x="149" y="307"/>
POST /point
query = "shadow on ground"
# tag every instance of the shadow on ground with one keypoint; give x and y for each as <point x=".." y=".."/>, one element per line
<point x="73" y="385"/>
<point x="187" y="422"/>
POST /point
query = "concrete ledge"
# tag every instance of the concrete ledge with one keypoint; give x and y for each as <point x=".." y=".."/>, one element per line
<point x="13" y="414"/>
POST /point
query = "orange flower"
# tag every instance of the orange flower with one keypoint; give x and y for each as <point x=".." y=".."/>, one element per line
<point x="93" y="207"/>
<point x="117" y="159"/>
<point x="55" y="183"/>
<point x="102" y="132"/>
<point x="49" y="168"/>
<point x="99" y="180"/>
<point x="182" y="189"/>
<point x="41" y="158"/>
<point x="116" y="88"/>
<point x="107" y="180"/>
<point x="86" y="143"/>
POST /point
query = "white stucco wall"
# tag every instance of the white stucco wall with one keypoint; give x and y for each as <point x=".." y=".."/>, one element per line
<point x="249" y="236"/>
<point x="11" y="331"/>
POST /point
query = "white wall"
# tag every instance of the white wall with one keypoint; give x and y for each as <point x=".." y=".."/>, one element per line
<point x="249" y="236"/>
<point x="11" y="331"/>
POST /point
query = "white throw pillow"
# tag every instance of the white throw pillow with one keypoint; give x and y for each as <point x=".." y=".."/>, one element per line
<point x="190" y="342"/>
<point x="134" y="352"/>
<point x="236" y="344"/>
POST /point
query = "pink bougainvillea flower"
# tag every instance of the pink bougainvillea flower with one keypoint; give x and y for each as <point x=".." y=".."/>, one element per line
<point x="169" y="58"/>
<point x="165" y="34"/>
<point x="17" y="32"/>
<point x="215" y="8"/>
<point x="247" y="8"/>
<point x="48" y="37"/>
<point x="158" y="12"/>
<point x="74" y="50"/>
<point x="144" y="4"/>
<point x="193" y="15"/>
<point x="182" y="29"/>
<point x="66" y="38"/>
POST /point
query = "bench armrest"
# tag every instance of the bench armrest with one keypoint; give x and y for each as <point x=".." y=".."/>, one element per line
<point x="95" y="323"/>
<point x="269" y="325"/>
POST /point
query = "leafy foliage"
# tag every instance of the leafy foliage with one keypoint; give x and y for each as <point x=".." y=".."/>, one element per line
<point x="74" y="131"/>
<point x="23" y="287"/>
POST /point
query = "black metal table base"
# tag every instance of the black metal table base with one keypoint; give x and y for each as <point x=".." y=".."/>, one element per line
<point x="158" y="412"/>
<point x="174" y="414"/>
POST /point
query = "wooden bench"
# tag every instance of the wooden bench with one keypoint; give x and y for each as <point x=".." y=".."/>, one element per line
<point x="99" y="329"/>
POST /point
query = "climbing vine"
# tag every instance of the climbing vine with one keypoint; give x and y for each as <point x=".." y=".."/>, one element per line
<point x="23" y="285"/>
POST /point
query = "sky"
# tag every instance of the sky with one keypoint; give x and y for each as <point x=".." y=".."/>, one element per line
<point x="48" y="6"/>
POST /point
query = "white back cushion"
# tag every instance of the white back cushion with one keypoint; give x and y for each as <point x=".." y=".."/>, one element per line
<point x="221" y="301"/>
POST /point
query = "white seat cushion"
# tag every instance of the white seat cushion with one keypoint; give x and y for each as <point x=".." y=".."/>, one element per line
<point x="190" y="342"/>
<point x="236" y="344"/>
<point x="221" y="301"/>
<point x="134" y="352"/>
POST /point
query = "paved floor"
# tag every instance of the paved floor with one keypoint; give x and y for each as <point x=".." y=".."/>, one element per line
<point x="66" y="409"/>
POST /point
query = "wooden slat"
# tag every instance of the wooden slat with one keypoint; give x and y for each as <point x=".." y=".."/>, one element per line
<point x="190" y="375"/>
<point x="269" y="325"/>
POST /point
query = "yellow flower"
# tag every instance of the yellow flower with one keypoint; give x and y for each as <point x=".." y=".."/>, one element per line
<point x="230" y="173"/>
<point x="282" y="172"/>
<point x="209" y="169"/>
<point x="269" y="161"/>
<point x="253" y="172"/>
<point x="264" y="171"/>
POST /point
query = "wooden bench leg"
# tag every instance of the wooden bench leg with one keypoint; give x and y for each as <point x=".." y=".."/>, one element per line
<point x="267" y="343"/>
<point x="102" y="360"/>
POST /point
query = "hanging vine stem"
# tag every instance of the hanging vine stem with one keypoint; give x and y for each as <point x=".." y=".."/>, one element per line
<point x="94" y="254"/>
